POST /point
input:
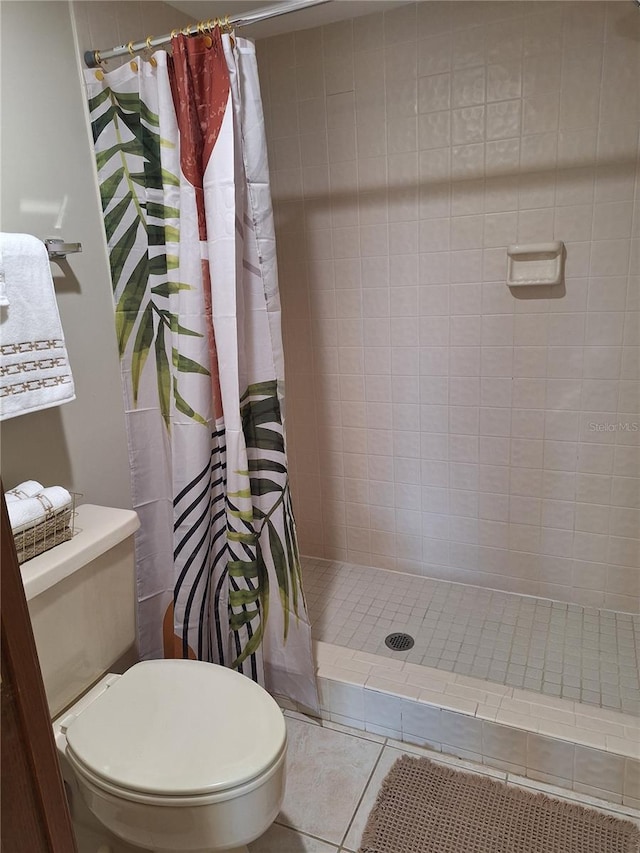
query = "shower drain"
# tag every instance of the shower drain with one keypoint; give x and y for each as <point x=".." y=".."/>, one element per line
<point x="399" y="642"/>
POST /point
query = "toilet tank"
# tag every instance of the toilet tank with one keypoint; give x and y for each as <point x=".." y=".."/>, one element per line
<point x="81" y="598"/>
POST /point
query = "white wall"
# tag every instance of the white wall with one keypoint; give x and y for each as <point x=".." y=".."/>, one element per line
<point x="439" y="423"/>
<point x="46" y="158"/>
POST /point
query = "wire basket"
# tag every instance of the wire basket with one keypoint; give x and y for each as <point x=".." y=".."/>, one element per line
<point x="46" y="532"/>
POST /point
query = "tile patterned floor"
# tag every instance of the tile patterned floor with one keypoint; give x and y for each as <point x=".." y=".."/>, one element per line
<point x="551" y="647"/>
<point x="334" y="774"/>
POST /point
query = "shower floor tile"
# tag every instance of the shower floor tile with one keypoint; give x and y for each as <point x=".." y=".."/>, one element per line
<point x="552" y="647"/>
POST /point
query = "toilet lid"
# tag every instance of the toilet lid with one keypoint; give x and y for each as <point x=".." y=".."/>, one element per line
<point x="179" y="727"/>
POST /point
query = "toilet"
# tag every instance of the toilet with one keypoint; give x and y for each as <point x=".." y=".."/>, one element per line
<point x="171" y="755"/>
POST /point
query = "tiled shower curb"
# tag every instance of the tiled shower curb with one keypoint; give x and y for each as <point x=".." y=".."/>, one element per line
<point x="579" y="747"/>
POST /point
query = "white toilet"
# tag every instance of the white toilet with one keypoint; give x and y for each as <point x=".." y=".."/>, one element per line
<point x="173" y="755"/>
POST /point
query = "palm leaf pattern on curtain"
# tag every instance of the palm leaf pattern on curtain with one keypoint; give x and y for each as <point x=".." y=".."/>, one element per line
<point x="264" y="436"/>
<point x="217" y="553"/>
<point x="258" y="531"/>
<point x="131" y="190"/>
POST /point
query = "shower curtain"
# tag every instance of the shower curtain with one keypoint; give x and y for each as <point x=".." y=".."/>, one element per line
<point x="182" y="167"/>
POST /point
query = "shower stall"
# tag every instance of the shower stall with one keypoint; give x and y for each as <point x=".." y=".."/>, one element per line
<point x="465" y="454"/>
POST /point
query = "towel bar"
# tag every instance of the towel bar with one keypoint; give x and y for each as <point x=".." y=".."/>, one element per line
<point x="58" y="249"/>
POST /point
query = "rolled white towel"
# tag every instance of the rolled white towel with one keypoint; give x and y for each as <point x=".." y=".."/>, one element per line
<point x="28" y="489"/>
<point x="29" y="511"/>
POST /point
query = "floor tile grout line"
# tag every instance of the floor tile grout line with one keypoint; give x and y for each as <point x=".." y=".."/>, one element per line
<point x="512" y="780"/>
<point x="570" y="796"/>
<point x="383" y="746"/>
<point x="320" y="722"/>
<point x="306" y="834"/>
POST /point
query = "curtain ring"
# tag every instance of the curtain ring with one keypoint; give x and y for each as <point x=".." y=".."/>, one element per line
<point x="133" y="64"/>
<point x="229" y="28"/>
<point x="99" y="73"/>
<point x="208" y="41"/>
<point x="151" y="59"/>
<point x="206" y="36"/>
<point x="175" y="33"/>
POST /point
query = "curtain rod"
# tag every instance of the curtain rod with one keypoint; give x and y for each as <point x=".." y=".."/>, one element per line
<point x="92" y="58"/>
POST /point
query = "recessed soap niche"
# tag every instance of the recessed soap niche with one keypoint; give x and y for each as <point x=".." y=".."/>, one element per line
<point x="535" y="264"/>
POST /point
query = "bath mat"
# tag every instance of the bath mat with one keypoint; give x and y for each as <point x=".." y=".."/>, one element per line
<point x="423" y="807"/>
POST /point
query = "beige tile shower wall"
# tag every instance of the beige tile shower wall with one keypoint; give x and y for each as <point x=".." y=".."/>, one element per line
<point x="439" y="423"/>
<point x="103" y="24"/>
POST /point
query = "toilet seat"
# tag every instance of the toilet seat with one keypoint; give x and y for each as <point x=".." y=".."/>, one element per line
<point x="178" y="732"/>
<point x="100" y="784"/>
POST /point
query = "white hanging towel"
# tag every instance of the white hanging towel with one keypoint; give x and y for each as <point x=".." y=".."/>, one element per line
<point x="34" y="366"/>
<point x="3" y="287"/>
